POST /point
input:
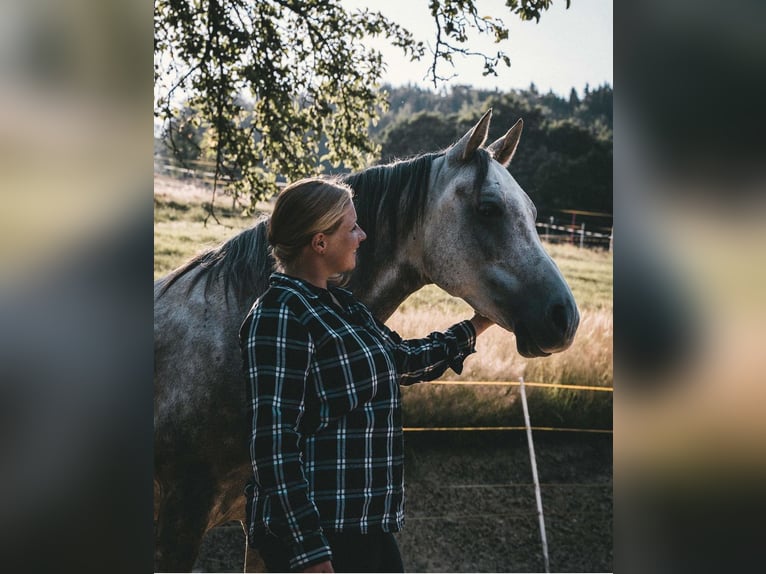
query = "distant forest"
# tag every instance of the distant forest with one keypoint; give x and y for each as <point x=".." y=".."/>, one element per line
<point x="564" y="160"/>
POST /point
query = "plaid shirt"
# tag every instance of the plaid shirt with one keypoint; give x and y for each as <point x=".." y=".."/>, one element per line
<point x="326" y="443"/>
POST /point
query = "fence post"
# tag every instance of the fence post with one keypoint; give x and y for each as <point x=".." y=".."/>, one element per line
<point x="572" y="229"/>
<point x="582" y="233"/>
<point x="533" y="461"/>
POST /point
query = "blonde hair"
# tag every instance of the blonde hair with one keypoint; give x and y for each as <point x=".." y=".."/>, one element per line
<point x="303" y="209"/>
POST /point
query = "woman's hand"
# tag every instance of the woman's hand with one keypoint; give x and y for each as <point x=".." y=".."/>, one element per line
<point x="480" y="323"/>
<point x="325" y="566"/>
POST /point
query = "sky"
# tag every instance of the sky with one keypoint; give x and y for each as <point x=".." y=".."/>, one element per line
<point x="567" y="48"/>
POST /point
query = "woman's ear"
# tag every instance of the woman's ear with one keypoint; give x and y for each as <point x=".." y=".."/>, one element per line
<point x="318" y="242"/>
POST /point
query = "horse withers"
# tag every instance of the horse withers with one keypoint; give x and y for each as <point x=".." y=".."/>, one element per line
<point x="455" y="218"/>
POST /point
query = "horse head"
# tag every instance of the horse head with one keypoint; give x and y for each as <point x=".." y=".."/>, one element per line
<point x="480" y="244"/>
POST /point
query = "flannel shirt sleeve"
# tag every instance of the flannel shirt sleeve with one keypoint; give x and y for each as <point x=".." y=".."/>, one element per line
<point x="277" y="351"/>
<point x="426" y="359"/>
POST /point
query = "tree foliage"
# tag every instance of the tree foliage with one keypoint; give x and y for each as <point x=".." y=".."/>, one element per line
<point x="284" y="86"/>
<point x="271" y="78"/>
<point x="454" y="19"/>
<point x="564" y="160"/>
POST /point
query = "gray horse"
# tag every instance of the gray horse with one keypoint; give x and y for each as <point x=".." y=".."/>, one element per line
<point x="455" y="218"/>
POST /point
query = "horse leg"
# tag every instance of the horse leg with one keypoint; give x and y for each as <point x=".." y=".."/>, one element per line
<point x="182" y="522"/>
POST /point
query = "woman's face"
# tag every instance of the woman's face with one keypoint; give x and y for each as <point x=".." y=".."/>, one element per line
<point x="341" y="246"/>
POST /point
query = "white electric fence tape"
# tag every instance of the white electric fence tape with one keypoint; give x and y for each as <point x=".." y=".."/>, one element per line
<point x="538" y="497"/>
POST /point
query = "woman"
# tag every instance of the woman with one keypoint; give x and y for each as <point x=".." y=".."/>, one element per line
<point x="326" y="444"/>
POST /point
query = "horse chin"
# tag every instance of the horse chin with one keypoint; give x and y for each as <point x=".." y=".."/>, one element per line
<point x="526" y="345"/>
<point x="530" y="350"/>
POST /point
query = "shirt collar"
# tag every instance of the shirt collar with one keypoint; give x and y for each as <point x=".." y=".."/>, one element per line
<point x="304" y="287"/>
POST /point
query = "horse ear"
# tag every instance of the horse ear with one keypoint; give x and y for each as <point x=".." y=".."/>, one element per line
<point x="504" y="148"/>
<point x="471" y="141"/>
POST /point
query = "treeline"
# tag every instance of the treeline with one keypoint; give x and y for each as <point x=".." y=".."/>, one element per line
<point x="564" y="160"/>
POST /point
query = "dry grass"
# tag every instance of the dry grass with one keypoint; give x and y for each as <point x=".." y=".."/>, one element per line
<point x="587" y="362"/>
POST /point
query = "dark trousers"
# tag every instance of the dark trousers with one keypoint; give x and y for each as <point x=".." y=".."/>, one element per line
<point x="351" y="552"/>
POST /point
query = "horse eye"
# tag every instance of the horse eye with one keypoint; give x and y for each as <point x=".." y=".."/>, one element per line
<point x="490" y="210"/>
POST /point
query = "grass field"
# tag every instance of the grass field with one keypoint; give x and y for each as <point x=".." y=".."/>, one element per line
<point x="179" y="233"/>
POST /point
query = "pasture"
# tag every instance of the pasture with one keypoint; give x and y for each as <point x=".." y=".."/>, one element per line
<point x="445" y="471"/>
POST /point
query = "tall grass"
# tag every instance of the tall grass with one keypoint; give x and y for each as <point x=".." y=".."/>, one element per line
<point x="587" y="362"/>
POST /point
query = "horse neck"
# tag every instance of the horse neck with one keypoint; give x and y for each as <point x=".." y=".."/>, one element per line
<point x="390" y="266"/>
<point x="387" y="286"/>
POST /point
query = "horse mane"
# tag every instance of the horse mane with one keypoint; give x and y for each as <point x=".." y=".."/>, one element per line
<point x="244" y="262"/>
<point x="390" y="201"/>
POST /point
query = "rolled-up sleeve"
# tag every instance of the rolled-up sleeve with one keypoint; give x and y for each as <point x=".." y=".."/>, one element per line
<point x="277" y="351"/>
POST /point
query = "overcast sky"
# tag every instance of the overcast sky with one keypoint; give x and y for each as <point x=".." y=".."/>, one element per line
<point x="568" y="48"/>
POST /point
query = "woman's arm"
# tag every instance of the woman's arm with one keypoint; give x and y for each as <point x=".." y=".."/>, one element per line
<point x="426" y="359"/>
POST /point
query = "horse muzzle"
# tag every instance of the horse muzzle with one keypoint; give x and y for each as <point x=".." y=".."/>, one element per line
<point x="553" y="333"/>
